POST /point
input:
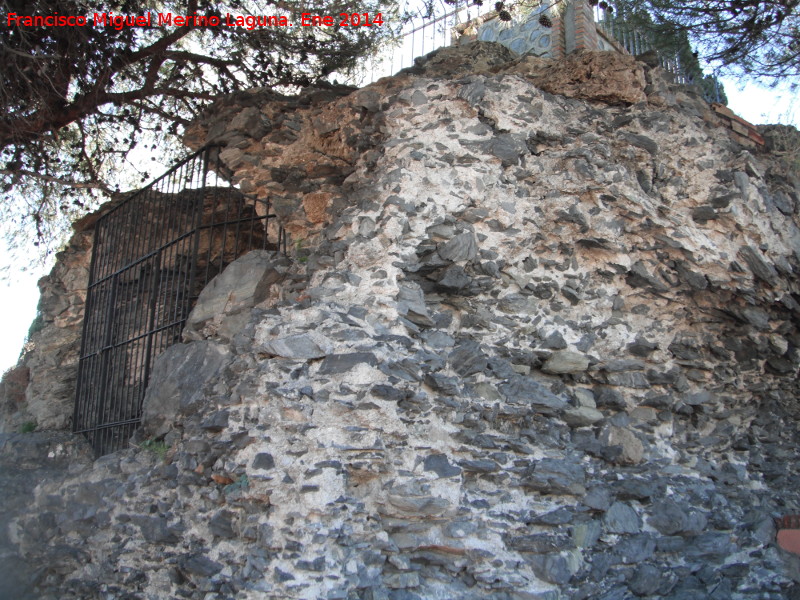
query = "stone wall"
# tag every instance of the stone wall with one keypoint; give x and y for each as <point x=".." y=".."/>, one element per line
<point x="530" y="346"/>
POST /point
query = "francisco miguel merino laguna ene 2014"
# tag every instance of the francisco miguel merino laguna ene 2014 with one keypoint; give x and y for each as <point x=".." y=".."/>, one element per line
<point x="168" y="19"/>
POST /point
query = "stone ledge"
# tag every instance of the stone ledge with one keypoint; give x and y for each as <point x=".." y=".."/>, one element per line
<point x="744" y="132"/>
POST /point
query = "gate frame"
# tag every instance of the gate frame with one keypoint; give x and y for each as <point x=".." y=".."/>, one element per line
<point x="93" y="397"/>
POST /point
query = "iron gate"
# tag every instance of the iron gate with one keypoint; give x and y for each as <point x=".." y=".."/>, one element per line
<point x="153" y="253"/>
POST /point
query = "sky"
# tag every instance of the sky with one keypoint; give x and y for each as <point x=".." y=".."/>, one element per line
<point x="19" y="296"/>
<point x="762" y="105"/>
<point x="18" y="300"/>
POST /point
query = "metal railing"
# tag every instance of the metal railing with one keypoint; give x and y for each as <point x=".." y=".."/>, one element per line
<point x="426" y="31"/>
<point x="636" y="42"/>
<point x="153" y="253"/>
<point x="431" y="29"/>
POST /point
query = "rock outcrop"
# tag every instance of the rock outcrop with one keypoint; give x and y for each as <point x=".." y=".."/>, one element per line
<point x="41" y="388"/>
<point x="528" y="347"/>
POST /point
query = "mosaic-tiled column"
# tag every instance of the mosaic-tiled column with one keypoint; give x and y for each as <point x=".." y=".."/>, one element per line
<point x="572" y="29"/>
<point x="526" y="37"/>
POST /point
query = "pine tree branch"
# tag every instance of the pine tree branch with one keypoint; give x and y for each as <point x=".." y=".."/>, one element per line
<point x="98" y="185"/>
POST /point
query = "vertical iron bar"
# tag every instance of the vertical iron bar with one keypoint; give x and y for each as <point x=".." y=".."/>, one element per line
<point x="225" y="220"/>
<point x="196" y="222"/>
<point x="240" y="202"/>
<point x="253" y="220"/>
<point x="137" y="353"/>
<point x="151" y="319"/>
<point x="105" y="353"/>
<point x="210" y="228"/>
<point x="87" y="311"/>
